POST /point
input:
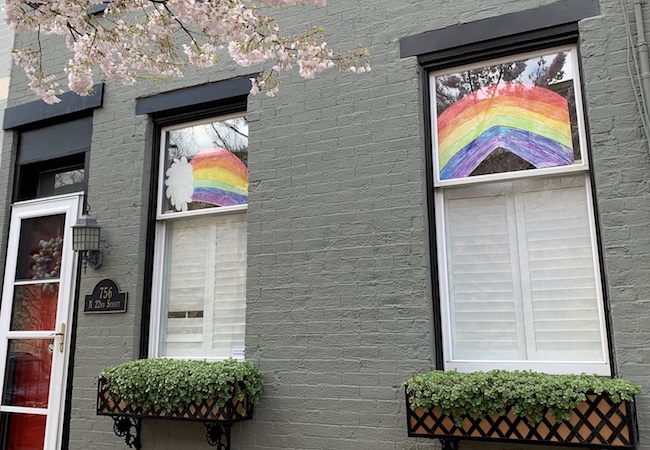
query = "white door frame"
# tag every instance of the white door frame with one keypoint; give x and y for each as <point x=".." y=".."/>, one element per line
<point x="70" y="205"/>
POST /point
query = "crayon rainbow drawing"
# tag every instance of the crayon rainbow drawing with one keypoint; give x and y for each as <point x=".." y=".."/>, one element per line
<point x="214" y="175"/>
<point x="529" y="121"/>
<point x="220" y="178"/>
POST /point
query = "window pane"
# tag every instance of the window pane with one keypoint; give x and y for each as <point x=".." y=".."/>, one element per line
<point x="510" y="116"/>
<point x="481" y="279"/>
<point x="560" y="264"/>
<point x="27" y="377"/>
<point x="521" y="275"/>
<point x="205" y="287"/>
<point x="61" y="181"/>
<point x="34" y="307"/>
<point x="22" y="431"/>
<point x="206" y="166"/>
<point x="39" y="252"/>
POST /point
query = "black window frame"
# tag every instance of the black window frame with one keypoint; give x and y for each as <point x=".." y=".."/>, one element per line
<point x="172" y="108"/>
<point x="553" y="25"/>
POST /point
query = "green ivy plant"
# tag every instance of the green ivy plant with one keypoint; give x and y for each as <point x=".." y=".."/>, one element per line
<point x="528" y="393"/>
<point x="173" y="383"/>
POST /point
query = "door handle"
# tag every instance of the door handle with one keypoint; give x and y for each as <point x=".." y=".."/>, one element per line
<point x="61" y="335"/>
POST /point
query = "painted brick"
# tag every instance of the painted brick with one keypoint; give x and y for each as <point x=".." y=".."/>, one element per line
<point x="339" y="287"/>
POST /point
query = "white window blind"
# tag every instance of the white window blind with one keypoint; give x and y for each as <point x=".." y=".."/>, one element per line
<point x="205" y="263"/>
<point x="521" y="272"/>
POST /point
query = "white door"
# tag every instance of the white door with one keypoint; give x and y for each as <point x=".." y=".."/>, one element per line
<point x="35" y="309"/>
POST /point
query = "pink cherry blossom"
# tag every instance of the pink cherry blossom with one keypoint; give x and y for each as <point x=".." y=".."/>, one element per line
<point x="135" y="39"/>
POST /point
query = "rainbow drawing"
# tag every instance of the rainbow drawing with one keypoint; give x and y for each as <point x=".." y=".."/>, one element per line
<point x="529" y="121"/>
<point x="220" y="178"/>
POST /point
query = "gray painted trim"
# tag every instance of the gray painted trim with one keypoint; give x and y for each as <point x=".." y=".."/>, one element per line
<point x="196" y="97"/>
<point x="560" y="13"/>
<point x="55" y="141"/>
<point x="36" y="112"/>
<point x="507" y="46"/>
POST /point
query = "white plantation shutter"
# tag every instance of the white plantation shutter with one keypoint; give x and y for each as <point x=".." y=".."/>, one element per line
<point x="560" y="257"/>
<point x="229" y="318"/>
<point x="205" y="262"/>
<point x="482" y="292"/>
<point x="521" y="272"/>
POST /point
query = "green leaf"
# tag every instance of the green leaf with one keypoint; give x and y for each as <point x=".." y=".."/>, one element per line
<point x="173" y="384"/>
<point x="527" y="393"/>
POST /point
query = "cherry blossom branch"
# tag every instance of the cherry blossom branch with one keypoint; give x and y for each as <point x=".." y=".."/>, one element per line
<point x="135" y="39"/>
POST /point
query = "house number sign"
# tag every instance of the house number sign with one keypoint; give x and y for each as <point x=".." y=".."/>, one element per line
<point x="106" y="298"/>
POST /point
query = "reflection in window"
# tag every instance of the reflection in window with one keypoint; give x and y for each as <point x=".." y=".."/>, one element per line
<point x="515" y="115"/>
<point x="61" y="181"/>
<point x="39" y="253"/>
<point x="34" y="307"/>
<point x="518" y="263"/>
<point x="206" y="165"/>
<point x="27" y="374"/>
<point x="201" y="258"/>
<point x="22" y="431"/>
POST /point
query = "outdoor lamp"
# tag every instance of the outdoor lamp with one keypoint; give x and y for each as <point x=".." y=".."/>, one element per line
<point x="85" y="240"/>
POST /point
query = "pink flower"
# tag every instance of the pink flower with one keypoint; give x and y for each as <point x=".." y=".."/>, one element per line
<point x="136" y="39"/>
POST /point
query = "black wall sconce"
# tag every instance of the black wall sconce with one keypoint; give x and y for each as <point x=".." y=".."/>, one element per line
<point x="85" y="240"/>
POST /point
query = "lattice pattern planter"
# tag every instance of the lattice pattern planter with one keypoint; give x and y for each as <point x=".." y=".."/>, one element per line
<point x="217" y="420"/>
<point x="598" y="422"/>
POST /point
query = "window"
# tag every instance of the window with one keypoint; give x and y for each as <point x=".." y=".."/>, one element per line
<point x="52" y="177"/>
<point x="52" y="159"/>
<point x="199" y="291"/>
<point x="518" y="264"/>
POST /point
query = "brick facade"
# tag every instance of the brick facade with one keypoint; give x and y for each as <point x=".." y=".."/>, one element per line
<point x="6" y="43"/>
<point x="339" y="294"/>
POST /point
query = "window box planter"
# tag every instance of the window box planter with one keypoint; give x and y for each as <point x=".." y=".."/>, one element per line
<point x="603" y="420"/>
<point x="243" y="384"/>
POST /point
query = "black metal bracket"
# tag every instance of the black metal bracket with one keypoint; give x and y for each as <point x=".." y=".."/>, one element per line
<point x="122" y="426"/>
<point x="218" y="435"/>
<point x="449" y="444"/>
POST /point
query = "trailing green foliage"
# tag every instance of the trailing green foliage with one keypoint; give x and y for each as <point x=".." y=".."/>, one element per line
<point x="527" y="393"/>
<point x="172" y="383"/>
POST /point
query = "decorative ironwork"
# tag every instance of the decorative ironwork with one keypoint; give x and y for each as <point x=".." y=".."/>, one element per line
<point x="122" y="426"/>
<point x="599" y="421"/>
<point x="218" y="435"/>
<point x="449" y="444"/>
<point x="218" y="421"/>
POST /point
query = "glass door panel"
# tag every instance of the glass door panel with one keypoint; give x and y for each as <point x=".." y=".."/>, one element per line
<point x="27" y="373"/>
<point x="23" y="431"/>
<point x="35" y="307"/>
<point x="39" y="253"/>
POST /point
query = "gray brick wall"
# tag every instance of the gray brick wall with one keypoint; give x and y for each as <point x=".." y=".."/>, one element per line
<point x="6" y="43"/>
<point x="620" y="166"/>
<point x="339" y="294"/>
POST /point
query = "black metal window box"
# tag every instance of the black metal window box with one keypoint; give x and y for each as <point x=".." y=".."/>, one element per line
<point x="218" y="421"/>
<point x="598" y="422"/>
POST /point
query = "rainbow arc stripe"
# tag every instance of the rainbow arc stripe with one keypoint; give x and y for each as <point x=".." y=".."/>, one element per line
<point x="530" y="121"/>
<point x="220" y="178"/>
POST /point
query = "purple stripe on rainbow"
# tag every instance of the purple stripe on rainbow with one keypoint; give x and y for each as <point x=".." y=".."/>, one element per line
<point x="530" y="121"/>
<point x="218" y="197"/>
<point x="220" y="178"/>
<point x="539" y="151"/>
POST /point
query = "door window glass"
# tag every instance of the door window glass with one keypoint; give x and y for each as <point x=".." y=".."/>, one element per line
<point x="35" y="307"/>
<point x="23" y="431"/>
<point x="27" y="374"/>
<point x="39" y="253"/>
